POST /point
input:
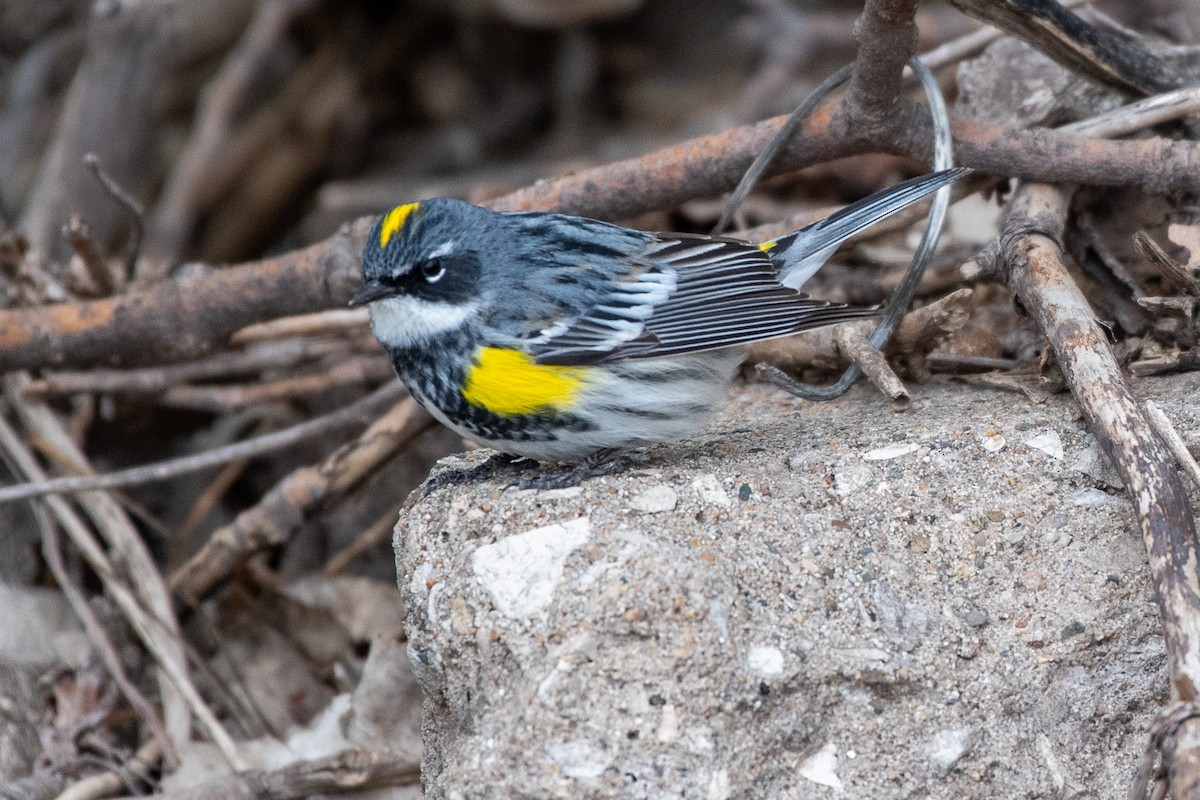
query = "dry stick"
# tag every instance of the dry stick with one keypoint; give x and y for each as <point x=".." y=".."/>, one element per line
<point x="321" y="323"/>
<point x="52" y="552"/>
<point x="294" y="499"/>
<point x="109" y="109"/>
<point x="220" y="399"/>
<point x="1162" y="424"/>
<point x="1177" y="276"/>
<point x="79" y="236"/>
<point x="151" y="380"/>
<point x="214" y="159"/>
<point x="347" y="771"/>
<point x="372" y="536"/>
<point x="150" y="628"/>
<point x="1134" y="117"/>
<point x="360" y="410"/>
<point x="1083" y="48"/>
<point x="967" y="45"/>
<point x="137" y="212"/>
<point x="856" y="346"/>
<point x="1028" y="252"/>
<point x="126" y="548"/>
<point x="109" y="783"/>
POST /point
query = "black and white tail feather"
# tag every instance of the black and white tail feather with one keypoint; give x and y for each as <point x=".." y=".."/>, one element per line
<point x="699" y="293"/>
<point x="799" y="255"/>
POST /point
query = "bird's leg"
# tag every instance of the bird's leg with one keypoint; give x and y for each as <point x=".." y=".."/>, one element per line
<point x="489" y="468"/>
<point x="608" y="461"/>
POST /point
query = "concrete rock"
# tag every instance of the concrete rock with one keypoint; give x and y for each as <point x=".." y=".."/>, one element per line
<point x="903" y="639"/>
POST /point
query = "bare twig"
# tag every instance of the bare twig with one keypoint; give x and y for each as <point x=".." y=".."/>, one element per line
<point x="1065" y="37"/>
<point x="1177" y="275"/>
<point x="180" y="320"/>
<point x="952" y="362"/>
<point x="80" y="238"/>
<point x="857" y="347"/>
<point x="1162" y="424"/>
<point x="1137" y="116"/>
<point x="319" y="324"/>
<point x="137" y="212"/>
<point x="164" y="470"/>
<point x="144" y="326"/>
<point x="52" y="552"/>
<point x="115" y="89"/>
<point x="295" y="498"/>
<point x="347" y="771"/>
<point x="207" y="167"/>
<point x="157" y="636"/>
<point x="127" y="551"/>
<point x="357" y="372"/>
<point x="379" y="532"/>
<point x="106" y="784"/>
<point x="151" y="380"/>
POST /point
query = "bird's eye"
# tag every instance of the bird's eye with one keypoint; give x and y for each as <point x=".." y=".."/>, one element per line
<point x="433" y="270"/>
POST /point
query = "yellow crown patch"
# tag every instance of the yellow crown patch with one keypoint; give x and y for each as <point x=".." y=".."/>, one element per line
<point x="394" y="221"/>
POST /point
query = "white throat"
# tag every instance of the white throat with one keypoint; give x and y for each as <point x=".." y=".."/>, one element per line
<point x="406" y="321"/>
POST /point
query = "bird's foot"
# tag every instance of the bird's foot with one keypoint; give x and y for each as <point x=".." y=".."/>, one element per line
<point x="488" y="468"/>
<point x="602" y="462"/>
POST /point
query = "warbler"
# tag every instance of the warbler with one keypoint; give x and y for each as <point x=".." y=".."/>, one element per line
<point x="559" y="338"/>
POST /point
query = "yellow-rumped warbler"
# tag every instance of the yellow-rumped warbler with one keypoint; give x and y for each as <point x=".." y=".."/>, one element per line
<point x="558" y="338"/>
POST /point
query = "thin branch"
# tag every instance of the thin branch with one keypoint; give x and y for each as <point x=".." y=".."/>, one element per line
<point x="1143" y="114"/>
<point x="137" y="212"/>
<point x="127" y="552"/>
<point x="1081" y="47"/>
<point x="145" y="326"/>
<point x="378" y="533"/>
<point x="152" y="380"/>
<point x="79" y="236"/>
<point x="294" y="499"/>
<point x="321" y="323"/>
<point x="856" y="346"/>
<point x="219" y="399"/>
<point x="109" y="783"/>
<point x="155" y="635"/>
<point x="251" y="448"/>
<point x="52" y="552"/>
<point x="1162" y="423"/>
<point x="344" y="772"/>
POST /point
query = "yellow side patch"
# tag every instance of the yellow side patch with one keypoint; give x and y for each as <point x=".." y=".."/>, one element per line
<point x="766" y="246"/>
<point x="394" y="221"/>
<point x="509" y="383"/>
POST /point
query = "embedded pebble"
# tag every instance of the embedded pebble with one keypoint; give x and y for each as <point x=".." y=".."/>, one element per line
<point x="709" y="489"/>
<point x="888" y="452"/>
<point x="1096" y="465"/>
<point x="655" y="500"/>
<point x="521" y="572"/>
<point x="976" y="618"/>
<point x="821" y="767"/>
<point x="765" y="660"/>
<point x="948" y="747"/>
<point x="852" y="479"/>
<point x="579" y="758"/>
<point x="1048" y="442"/>
<point x="1093" y="498"/>
<point x="994" y="444"/>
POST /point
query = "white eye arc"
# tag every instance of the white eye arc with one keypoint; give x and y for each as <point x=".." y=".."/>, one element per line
<point x="433" y="270"/>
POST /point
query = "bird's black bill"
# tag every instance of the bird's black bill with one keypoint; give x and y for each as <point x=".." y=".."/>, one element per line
<point x="374" y="290"/>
